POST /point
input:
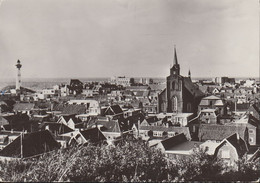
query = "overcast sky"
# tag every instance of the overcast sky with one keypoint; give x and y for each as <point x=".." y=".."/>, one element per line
<point x="103" y="38"/>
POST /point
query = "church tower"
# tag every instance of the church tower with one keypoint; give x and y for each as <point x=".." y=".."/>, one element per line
<point x="18" y="77"/>
<point x="174" y="87"/>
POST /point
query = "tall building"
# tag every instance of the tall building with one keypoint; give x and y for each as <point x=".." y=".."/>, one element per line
<point x="18" y="77"/>
<point x="180" y="94"/>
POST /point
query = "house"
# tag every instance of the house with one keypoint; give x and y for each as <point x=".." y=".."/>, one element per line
<point x="181" y="119"/>
<point x="209" y="116"/>
<point x="30" y="144"/>
<point x="92" y="135"/>
<point x="6" y="137"/>
<point x="46" y="93"/>
<point x="55" y="128"/>
<point x="251" y="126"/>
<point x="121" y="80"/>
<point x="231" y="149"/>
<point x="3" y="121"/>
<point x="133" y="114"/>
<point x="254" y="118"/>
<point x="114" y="111"/>
<point x="151" y="121"/>
<point x="209" y="146"/>
<point x="23" y="108"/>
<point x="147" y="132"/>
<point x="219" y="132"/>
<point x="113" y="130"/>
<point x="19" y="122"/>
<point x="212" y="102"/>
<point x="70" y="120"/>
<point x="177" y="146"/>
<point x="88" y="92"/>
<point x="180" y="95"/>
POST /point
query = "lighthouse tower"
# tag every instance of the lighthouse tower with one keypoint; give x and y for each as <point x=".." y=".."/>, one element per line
<point x="18" y="77"/>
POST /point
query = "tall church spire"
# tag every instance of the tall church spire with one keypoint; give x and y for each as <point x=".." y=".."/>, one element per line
<point x="189" y="74"/>
<point x="175" y="70"/>
<point x="175" y="61"/>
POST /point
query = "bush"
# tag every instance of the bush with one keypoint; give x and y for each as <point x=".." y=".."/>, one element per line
<point x="131" y="161"/>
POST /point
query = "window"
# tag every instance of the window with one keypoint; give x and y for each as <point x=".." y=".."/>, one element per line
<point x="251" y="139"/>
<point x="174" y="104"/>
<point x="225" y="154"/>
<point x="210" y="103"/>
<point x="251" y="131"/>
<point x="173" y="85"/>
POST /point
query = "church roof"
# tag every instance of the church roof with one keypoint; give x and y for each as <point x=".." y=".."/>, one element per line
<point x="192" y="88"/>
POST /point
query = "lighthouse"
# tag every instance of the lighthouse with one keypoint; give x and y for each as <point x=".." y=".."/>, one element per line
<point x="18" y="77"/>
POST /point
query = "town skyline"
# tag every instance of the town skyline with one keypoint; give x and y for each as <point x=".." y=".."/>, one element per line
<point x="89" y="39"/>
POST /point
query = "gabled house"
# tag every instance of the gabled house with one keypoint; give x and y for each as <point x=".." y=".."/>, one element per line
<point x="114" y="111"/>
<point x="70" y="120"/>
<point x="92" y="135"/>
<point x="231" y="149"/>
<point x="151" y="121"/>
<point x="113" y="130"/>
<point x="30" y="144"/>
<point x="55" y="128"/>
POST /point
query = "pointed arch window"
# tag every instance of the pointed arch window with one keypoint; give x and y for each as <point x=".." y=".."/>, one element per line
<point x="173" y="85"/>
<point x="174" y="104"/>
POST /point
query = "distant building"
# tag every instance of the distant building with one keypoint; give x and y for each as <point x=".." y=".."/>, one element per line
<point x="222" y="80"/>
<point x="120" y="80"/>
<point x="75" y="87"/>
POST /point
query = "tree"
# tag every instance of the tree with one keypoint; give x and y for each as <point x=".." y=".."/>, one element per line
<point x="129" y="160"/>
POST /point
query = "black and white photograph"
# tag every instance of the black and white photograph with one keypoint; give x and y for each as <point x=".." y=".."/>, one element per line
<point x="129" y="90"/>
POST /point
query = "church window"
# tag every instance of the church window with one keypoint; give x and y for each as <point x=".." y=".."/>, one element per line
<point x="173" y="85"/>
<point x="174" y="103"/>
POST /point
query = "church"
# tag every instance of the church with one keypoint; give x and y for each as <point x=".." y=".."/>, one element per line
<point x="180" y="94"/>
